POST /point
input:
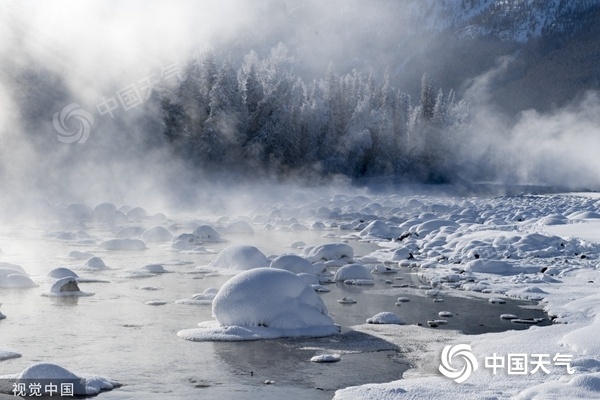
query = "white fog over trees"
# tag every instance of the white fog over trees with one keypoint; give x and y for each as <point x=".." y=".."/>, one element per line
<point x="261" y="115"/>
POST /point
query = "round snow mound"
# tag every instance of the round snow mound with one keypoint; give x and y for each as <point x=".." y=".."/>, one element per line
<point x="293" y="263"/>
<point x="66" y="287"/>
<point x="331" y="251"/>
<point x="207" y="233"/>
<point x="84" y="385"/>
<point x="266" y="303"/>
<point x="352" y="272"/>
<point x="240" y="257"/>
<point x="62" y="272"/>
<point x="385" y="318"/>
<point x="157" y="234"/>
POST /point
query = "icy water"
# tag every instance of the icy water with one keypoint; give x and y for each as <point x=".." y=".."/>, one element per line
<point x="115" y="334"/>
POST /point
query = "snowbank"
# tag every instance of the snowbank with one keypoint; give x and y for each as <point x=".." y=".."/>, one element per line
<point x="265" y="303"/>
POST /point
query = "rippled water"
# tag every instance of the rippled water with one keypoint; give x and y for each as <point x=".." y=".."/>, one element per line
<point x="114" y="333"/>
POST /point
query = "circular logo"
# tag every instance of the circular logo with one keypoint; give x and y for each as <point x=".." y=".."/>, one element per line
<point x="78" y="135"/>
<point x="469" y="362"/>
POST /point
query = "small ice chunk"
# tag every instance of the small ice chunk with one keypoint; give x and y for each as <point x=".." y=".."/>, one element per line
<point x="347" y="300"/>
<point x="508" y="316"/>
<point x="445" y="314"/>
<point x="497" y="300"/>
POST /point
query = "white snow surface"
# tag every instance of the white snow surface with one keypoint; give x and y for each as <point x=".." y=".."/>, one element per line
<point x="541" y="247"/>
<point x="265" y="303"/>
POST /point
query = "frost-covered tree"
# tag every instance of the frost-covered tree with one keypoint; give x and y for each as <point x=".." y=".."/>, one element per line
<point x="265" y="117"/>
<point x="223" y="132"/>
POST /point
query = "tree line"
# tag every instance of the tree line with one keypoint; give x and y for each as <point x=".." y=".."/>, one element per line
<point x="261" y="117"/>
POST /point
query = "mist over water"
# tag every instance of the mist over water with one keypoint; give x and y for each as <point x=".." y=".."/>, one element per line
<point x="83" y="53"/>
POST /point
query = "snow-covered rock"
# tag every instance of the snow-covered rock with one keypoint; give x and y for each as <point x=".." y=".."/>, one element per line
<point x="240" y="257"/>
<point x="330" y="251"/>
<point x="385" y="318"/>
<point x="83" y="384"/>
<point x="62" y="272"/>
<point x="352" y="272"/>
<point x="239" y="227"/>
<point x="265" y="303"/>
<point x="66" y="287"/>
<point x="293" y="263"/>
<point x="157" y="234"/>
<point x="207" y="233"/>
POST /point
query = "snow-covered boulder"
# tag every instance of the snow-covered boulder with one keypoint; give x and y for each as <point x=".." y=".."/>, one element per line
<point x="239" y="227"/>
<point x="136" y="214"/>
<point x="385" y="318"/>
<point x="242" y="257"/>
<point x="157" y="234"/>
<point x="265" y="303"/>
<point x="378" y="229"/>
<point x="95" y="263"/>
<point x="352" y="272"/>
<point x="207" y="233"/>
<point x="13" y="267"/>
<point x="14" y="277"/>
<point x="185" y="241"/>
<point x="66" y="287"/>
<point x="330" y="251"/>
<point x="123" y="244"/>
<point x="83" y="385"/>
<point x="293" y="263"/>
<point x="130" y="232"/>
<point x="62" y="272"/>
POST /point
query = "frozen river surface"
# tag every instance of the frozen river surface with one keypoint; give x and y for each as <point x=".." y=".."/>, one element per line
<point x="128" y="329"/>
